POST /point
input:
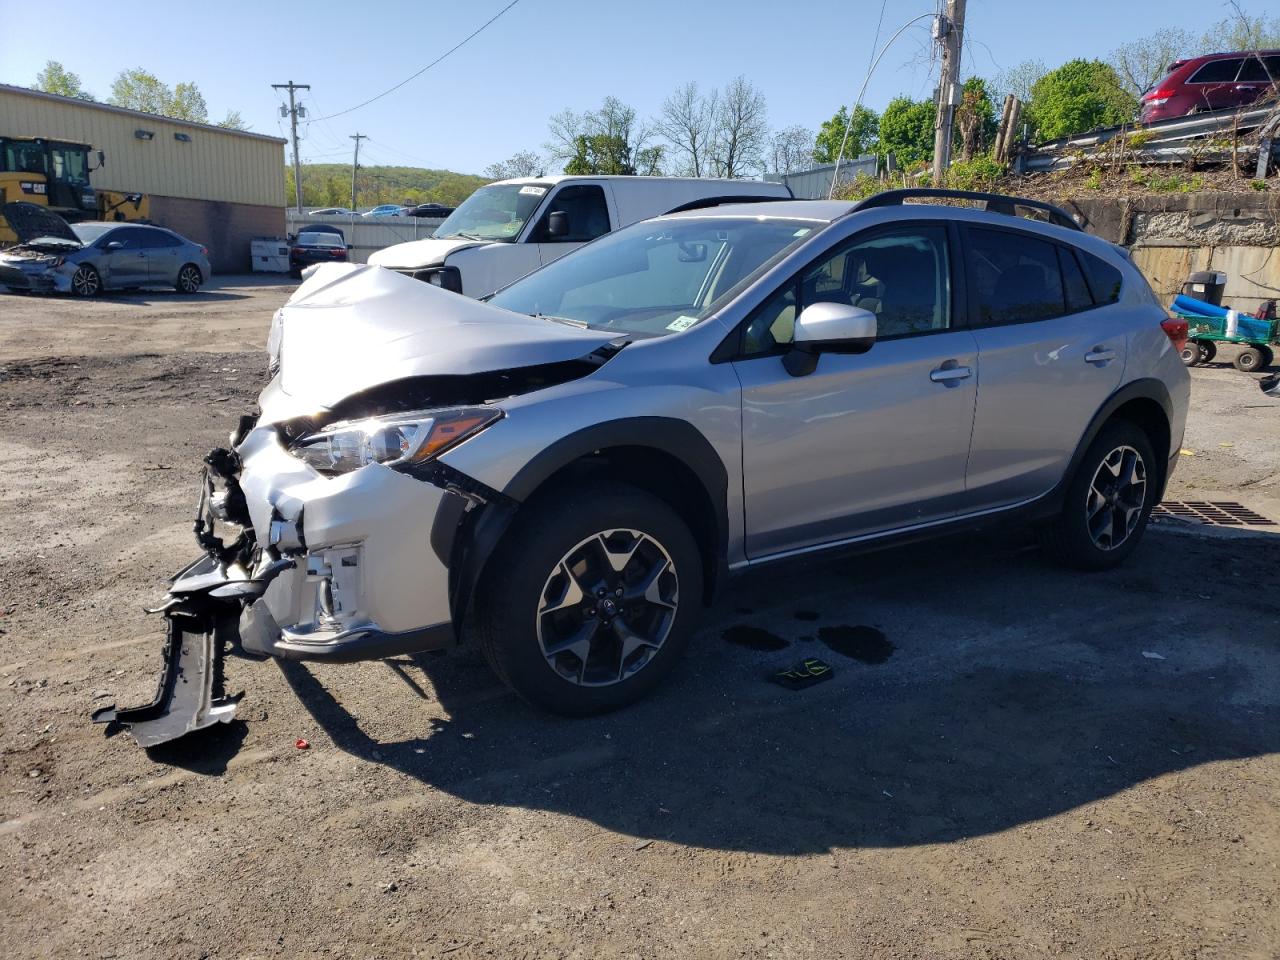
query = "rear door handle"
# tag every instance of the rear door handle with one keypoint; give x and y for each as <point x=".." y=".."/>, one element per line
<point x="945" y="374"/>
<point x="1099" y="355"/>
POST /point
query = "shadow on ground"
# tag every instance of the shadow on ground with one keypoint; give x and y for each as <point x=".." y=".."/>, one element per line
<point x="973" y="737"/>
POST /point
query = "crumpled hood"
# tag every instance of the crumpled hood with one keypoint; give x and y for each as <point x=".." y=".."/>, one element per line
<point x="31" y="222"/>
<point x="350" y="327"/>
<point x="429" y="252"/>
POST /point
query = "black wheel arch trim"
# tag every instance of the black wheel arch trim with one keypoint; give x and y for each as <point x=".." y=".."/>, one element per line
<point x="465" y="539"/>
<point x="1147" y="388"/>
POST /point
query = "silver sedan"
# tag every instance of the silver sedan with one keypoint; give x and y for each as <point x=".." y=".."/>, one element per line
<point x="85" y="259"/>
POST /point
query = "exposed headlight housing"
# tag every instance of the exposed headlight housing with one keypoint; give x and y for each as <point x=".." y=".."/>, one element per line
<point x="399" y="441"/>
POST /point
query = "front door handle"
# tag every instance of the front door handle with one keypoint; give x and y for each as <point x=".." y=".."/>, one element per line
<point x="949" y="374"/>
<point x="1099" y="355"/>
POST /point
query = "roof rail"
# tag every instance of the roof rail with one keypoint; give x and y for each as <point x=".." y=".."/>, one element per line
<point x="995" y="202"/>
<point x="703" y="202"/>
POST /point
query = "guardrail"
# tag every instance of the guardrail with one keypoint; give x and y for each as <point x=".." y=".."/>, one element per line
<point x="1201" y="137"/>
<point x="369" y="234"/>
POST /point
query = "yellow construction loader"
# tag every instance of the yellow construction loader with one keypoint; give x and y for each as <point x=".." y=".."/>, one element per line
<point x="55" y="174"/>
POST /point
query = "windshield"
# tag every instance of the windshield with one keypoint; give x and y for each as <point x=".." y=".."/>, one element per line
<point x="89" y="232"/>
<point x="313" y="239"/>
<point x="656" y="277"/>
<point x="494" y="213"/>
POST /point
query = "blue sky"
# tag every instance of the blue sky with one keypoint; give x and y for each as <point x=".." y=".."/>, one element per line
<point x="493" y="97"/>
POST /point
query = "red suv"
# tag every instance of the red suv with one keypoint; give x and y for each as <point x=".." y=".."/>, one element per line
<point x="1215" y="81"/>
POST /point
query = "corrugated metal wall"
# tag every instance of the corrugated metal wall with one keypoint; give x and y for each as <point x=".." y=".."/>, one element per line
<point x="214" y="165"/>
<point x="814" y="184"/>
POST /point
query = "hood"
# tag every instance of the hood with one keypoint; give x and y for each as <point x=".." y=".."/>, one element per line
<point x="350" y="327"/>
<point x="423" y="253"/>
<point x="31" y="222"/>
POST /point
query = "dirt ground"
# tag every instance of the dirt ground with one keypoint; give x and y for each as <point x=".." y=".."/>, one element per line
<point x="1012" y="761"/>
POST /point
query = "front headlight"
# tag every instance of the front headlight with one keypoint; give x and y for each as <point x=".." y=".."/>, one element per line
<point x="399" y="440"/>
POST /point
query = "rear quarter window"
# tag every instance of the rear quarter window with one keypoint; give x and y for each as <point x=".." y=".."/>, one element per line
<point x="1104" y="279"/>
<point x="1216" y="71"/>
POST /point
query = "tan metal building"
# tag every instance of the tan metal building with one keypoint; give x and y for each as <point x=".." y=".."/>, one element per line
<point x="216" y="186"/>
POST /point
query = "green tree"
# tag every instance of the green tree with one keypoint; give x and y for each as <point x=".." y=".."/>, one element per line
<point x="975" y="123"/>
<point x="55" y="78"/>
<point x="187" y="103"/>
<point x="906" y="129"/>
<point x="862" y="134"/>
<point x="600" y="154"/>
<point x="1241" y="31"/>
<point x="137" y="89"/>
<point x="1140" y="63"/>
<point x="1078" y="96"/>
<point x="233" y="121"/>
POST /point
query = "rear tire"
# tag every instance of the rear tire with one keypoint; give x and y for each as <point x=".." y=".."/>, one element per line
<point x="1248" y="360"/>
<point x="1107" y="502"/>
<point x="1208" y="350"/>
<point x="568" y="630"/>
<point x="189" y="279"/>
<point x="1191" y="354"/>
<point x="86" y="282"/>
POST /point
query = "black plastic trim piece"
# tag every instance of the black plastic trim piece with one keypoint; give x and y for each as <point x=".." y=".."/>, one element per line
<point x="995" y="202"/>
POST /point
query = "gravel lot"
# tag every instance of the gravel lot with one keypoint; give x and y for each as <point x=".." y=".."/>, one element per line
<point x="1028" y="763"/>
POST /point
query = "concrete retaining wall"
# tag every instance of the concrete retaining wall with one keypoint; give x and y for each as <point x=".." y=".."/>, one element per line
<point x="1171" y="236"/>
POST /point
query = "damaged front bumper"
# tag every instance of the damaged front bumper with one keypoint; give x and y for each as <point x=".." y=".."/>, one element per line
<point x="323" y="568"/>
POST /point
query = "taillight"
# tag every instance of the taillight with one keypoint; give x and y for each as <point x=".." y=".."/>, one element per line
<point x="1176" y="328"/>
<point x="1159" y="93"/>
<point x="297" y="250"/>
<point x="204" y="251"/>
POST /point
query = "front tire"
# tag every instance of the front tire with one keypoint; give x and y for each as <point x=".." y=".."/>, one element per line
<point x="1108" y="501"/>
<point x="189" y="279"/>
<point x="86" y="282"/>
<point x="590" y="599"/>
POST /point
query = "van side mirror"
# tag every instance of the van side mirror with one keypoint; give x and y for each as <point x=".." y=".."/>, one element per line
<point x="828" y="328"/>
<point x="557" y="224"/>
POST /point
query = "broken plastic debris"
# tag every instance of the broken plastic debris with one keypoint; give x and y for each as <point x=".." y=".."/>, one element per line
<point x="302" y="744"/>
<point x="1187" y="453"/>
<point x="1151" y="655"/>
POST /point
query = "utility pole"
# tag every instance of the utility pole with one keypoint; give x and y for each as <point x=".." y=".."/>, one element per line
<point x="948" y="30"/>
<point x="293" y="113"/>
<point x="355" y="165"/>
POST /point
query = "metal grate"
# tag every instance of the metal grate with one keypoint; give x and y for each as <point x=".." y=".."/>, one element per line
<point x="1222" y="513"/>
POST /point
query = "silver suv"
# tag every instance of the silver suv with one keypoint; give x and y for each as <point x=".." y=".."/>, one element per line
<point x="566" y="473"/>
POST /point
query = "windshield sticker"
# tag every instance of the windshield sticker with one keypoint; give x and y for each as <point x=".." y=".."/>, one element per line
<point x="682" y="323"/>
<point x="533" y="191"/>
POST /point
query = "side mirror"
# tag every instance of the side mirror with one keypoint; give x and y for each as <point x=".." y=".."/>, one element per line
<point x="557" y="224"/>
<point x="828" y="328"/>
<point x="114" y="245"/>
<point x="102" y="162"/>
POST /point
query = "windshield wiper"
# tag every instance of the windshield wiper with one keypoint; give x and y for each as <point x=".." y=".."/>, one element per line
<point x="580" y="324"/>
<point x="465" y="236"/>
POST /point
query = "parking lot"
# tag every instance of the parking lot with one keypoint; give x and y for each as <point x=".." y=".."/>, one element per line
<point x="1011" y="760"/>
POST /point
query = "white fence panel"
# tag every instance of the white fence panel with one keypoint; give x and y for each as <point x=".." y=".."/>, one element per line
<point x="367" y="234"/>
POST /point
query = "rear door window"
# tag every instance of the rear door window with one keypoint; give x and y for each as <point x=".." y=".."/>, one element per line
<point x="1014" y="276"/>
<point x="1253" y="71"/>
<point x="1217" y="71"/>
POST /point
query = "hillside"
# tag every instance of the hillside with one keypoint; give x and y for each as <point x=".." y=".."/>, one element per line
<point x="329" y="185"/>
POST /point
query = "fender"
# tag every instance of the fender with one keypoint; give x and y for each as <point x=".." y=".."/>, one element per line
<point x="466" y="540"/>
<point x="1147" y="388"/>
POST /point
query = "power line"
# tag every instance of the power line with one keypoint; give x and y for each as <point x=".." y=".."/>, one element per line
<point x="455" y="47"/>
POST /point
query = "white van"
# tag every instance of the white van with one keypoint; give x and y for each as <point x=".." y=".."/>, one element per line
<point x="512" y="227"/>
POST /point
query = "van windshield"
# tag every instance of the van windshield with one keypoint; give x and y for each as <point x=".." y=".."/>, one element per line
<point x="497" y="212"/>
<point x="657" y="277"/>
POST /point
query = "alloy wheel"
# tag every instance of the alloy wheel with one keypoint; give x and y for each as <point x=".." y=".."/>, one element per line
<point x="189" y="279"/>
<point x="85" y="282"/>
<point x="607" y="607"/>
<point x="1117" y="496"/>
